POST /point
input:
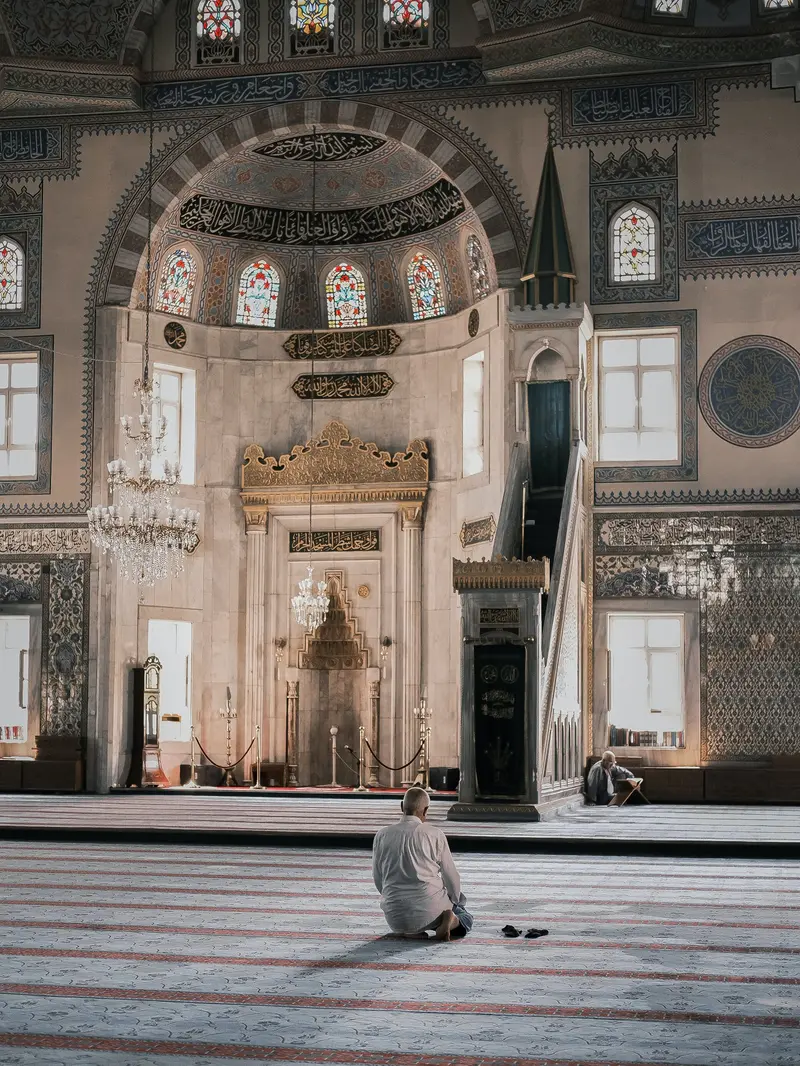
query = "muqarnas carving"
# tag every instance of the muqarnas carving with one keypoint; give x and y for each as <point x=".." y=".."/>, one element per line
<point x="636" y="179"/>
<point x="750" y="391"/>
<point x="425" y="210"/>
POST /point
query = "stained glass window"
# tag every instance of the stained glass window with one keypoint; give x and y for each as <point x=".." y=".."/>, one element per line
<point x="312" y="26"/>
<point x="347" y="297"/>
<point x="405" y="23"/>
<point x="219" y="31"/>
<point x="425" y="286"/>
<point x="477" y="269"/>
<point x="177" y="283"/>
<point x="778" y="5"/>
<point x="12" y="275"/>
<point x="634" y="252"/>
<point x="258" y="295"/>
<point x="669" y="7"/>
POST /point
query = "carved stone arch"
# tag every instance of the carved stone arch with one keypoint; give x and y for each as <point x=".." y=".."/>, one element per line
<point x="550" y="360"/>
<point x="181" y="168"/>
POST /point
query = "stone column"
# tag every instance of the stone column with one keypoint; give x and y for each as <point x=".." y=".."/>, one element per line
<point x="411" y="525"/>
<point x="292" y="714"/>
<point x="374" y="729"/>
<point x="255" y="516"/>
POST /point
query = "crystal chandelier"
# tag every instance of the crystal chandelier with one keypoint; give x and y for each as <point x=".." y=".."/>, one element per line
<point x="144" y="534"/>
<point x="310" y="607"/>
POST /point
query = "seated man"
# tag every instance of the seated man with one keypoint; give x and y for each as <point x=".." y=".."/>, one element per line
<point x="414" y="872"/>
<point x="602" y="779"/>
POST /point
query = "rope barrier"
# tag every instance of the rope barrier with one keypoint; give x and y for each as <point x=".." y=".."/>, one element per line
<point x="386" y="766"/>
<point x="224" y="766"/>
<point x="352" y="769"/>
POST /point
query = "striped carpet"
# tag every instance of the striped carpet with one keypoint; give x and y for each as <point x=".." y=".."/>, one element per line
<point x="328" y="816"/>
<point x="123" y="955"/>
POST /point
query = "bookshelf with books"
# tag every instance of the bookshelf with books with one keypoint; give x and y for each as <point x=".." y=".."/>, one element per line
<point x="645" y="738"/>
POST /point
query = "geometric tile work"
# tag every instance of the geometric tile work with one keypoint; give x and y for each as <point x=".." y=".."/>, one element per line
<point x="146" y="955"/>
<point x="745" y="570"/>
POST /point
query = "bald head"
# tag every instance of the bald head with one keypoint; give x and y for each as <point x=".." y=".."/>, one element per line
<point x="416" y="801"/>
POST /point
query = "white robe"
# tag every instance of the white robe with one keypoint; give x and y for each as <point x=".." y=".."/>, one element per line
<point x="414" y="872"/>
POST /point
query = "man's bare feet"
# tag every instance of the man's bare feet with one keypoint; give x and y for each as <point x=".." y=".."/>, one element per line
<point x="447" y="922"/>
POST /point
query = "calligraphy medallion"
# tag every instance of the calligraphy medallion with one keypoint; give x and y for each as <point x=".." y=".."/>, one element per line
<point x="750" y="391"/>
<point x="175" y="335"/>
<point x="474" y="322"/>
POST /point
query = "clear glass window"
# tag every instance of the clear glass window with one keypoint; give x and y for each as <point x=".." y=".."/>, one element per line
<point x="472" y="440"/>
<point x="19" y="417"/>
<point x="646" y="680"/>
<point x="175" y="389"/>
<point x="638" y="394"/>
<point x="15" y="649"/>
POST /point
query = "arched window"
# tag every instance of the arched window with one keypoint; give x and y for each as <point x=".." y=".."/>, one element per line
<point x="177" y="283"/>
<point x="406" y="23"/>
<point x="258" y="295"/>
<point x="477" y="269"/>
<point x="313" y="27"/>
<point x="347" y="297"/>
<point x="12" y="275"/>
<point x="634" y="239"/>
<point x="219" y="31"/>
<point x="425" y="286"/>
<point x="778" y="5"/>
<point x="669" y="7"/>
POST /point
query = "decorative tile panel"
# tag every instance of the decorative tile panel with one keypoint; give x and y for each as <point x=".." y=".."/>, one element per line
<point x="686" y="470"/>
<point x="743" y="237"/>
<point x="744" y="569"/>
<point x="65" y="663"/>
<point x="750" y="391"/>
<point x="20" y="582"/>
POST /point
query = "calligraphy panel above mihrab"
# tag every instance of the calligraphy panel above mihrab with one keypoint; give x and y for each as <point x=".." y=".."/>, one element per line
<point x="333" y="147"/>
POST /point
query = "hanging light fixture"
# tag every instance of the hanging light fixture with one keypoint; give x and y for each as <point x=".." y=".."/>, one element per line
<point x="311" y="603"/>
<point x="145" y="535"/>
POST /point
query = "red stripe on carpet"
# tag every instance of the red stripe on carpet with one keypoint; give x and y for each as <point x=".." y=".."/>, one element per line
<point x="289" y="1054"/>
<point x="335" y="964"/>
<point x="525" y="1010"/>
<point x="295" y="934"/>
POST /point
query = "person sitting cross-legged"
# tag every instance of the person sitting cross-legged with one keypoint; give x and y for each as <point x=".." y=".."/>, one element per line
<point x="414" y="872"/>
<point x="602" y="779"/>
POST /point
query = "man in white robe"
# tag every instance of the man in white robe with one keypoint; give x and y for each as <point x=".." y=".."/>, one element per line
<point x="414" y="872"/>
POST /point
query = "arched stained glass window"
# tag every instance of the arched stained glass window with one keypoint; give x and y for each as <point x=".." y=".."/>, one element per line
<point x="778" y="5"/>
<point x="425" y="286"/>
<point x="177" y="283"/>
<point x="312" y="27"/>
<point x="258" y="295"/>
<point x="12" y="275"/>
<point x="219" y="31"/>
<point x="634" y="244"/>
<point x="477" y="269"/>
<point x="347" y="297"/>
<point x="406" y="23"/>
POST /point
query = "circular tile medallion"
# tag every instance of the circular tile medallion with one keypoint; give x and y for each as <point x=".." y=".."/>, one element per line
<point x="750" y="391"/>
<point x="473" y="322"/>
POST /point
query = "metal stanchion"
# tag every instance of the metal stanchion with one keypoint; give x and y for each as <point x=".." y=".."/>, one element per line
<point x="361" y="786"/>
<point x="334" y="731"/>
<point x="258" y="784"/>
<point x="192" y="782"/>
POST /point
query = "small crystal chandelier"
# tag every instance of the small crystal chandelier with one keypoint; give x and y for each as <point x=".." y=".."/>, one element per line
<point x="310" y="607"/>
<point x="146" y="536"/>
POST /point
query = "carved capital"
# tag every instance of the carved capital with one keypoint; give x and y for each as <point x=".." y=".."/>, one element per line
<point x="256" y="518"/>
<point x="292" y="689"/>
<point x="411" y="516"/>
<point x="374" y="690"/>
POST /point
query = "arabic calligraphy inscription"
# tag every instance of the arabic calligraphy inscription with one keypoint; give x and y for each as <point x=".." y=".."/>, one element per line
<point x="343" y="386"/>
<point x="336" y="540"/>
<point x="342" y="344"/>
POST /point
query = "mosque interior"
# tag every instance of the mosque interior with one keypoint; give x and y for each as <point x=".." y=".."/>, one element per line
<point x="398" y="392"/>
